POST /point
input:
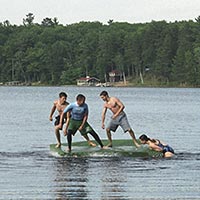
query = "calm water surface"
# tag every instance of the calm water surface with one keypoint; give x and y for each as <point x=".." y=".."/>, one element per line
<point x="28" y="170"/>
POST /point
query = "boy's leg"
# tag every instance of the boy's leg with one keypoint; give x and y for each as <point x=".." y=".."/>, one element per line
<point x="88" y="129"/>
<point x="72" y="128"/>
<point x="89" y="142"/>
<point x="112" y="126"/>
<point x="126" y="127"/>
<point x="109" y="137"/>
<point x="133" y="137"/>
<point x="69" y="139"/>
<point x="57" y="133"/>
<point x="96" y="137"/>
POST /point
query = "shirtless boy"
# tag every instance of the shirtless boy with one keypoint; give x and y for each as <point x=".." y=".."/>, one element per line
<point x="59" y="105"/>
<point x="119" y="117"/>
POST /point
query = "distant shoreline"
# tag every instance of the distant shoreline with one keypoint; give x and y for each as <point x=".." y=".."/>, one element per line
<point x="130" y="85"/>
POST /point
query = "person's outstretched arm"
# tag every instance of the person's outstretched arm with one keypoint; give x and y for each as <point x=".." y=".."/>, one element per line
<point x="103" y="116"/>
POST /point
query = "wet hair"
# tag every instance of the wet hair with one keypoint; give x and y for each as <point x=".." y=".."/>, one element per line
<point x="62" y="94"/>
<point x="104" y="93"/>
<point x="146" y="138"/>
<point x="80" y="97"/>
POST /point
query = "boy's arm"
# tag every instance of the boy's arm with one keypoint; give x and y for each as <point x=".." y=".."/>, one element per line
<point x="67" y="123"/>
<point x="86" y="112"/>
<point x="67" y="109"/>
<point x="52" y="112"/>
<point x="103" y="116"/>
<point x="67" y="120"/>
<point x="83" y="122"/>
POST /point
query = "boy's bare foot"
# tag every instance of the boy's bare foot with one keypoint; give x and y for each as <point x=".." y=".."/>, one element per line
<point x="69" y="150"/>
<point x="109" y="145"/>
<point x="104" y="147"/>
<point x="58" y="145"/>
<point x="92" y="144"/>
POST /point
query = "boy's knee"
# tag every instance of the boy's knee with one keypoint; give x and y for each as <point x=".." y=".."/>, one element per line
<point x="57" y="128"/>
<point x="130" y="130"/>
<point x="108" y="129"/>
<point x="70" y="132"/>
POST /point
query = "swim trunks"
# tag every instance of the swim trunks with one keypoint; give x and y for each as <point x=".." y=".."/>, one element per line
<point x="121" y="121"/>
<point x="75" y="124"/>
<point x="57" y="121"/>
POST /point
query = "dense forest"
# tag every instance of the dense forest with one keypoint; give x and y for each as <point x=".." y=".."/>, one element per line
<point x="54" y="54"/>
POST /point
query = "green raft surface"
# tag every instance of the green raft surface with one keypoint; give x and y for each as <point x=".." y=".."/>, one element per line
<point x="120" y="148"/>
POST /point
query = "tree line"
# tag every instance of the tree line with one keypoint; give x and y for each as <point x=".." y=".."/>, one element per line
<point x="54" y="54"/>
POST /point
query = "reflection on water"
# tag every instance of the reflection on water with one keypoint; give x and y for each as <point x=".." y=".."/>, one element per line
<point x="70" y="178"/>
<point x="39" y="175"/>
<point x="120" y="178"/>
<point x="81" y="178"/>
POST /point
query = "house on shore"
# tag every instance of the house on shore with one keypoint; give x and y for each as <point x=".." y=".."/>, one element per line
<point x="87" y="81"/>
<point x="115" y="76"/>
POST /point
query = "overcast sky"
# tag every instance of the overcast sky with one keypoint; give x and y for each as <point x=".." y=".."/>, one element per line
<point x="73" y="11"/>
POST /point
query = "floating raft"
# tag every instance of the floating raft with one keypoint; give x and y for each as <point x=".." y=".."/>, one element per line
<point x="123" y="148"/>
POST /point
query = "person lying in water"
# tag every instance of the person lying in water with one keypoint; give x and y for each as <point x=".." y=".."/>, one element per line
<point x="157" y="145"/>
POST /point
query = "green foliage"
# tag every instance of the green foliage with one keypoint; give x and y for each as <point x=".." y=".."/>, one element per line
<point x="51" y="53"/>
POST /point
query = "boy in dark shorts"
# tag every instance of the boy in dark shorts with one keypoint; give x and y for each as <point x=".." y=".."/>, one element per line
<point x="59" y="105"/>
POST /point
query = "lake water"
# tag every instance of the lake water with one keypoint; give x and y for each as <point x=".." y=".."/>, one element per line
<point x="28" y="170"/>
